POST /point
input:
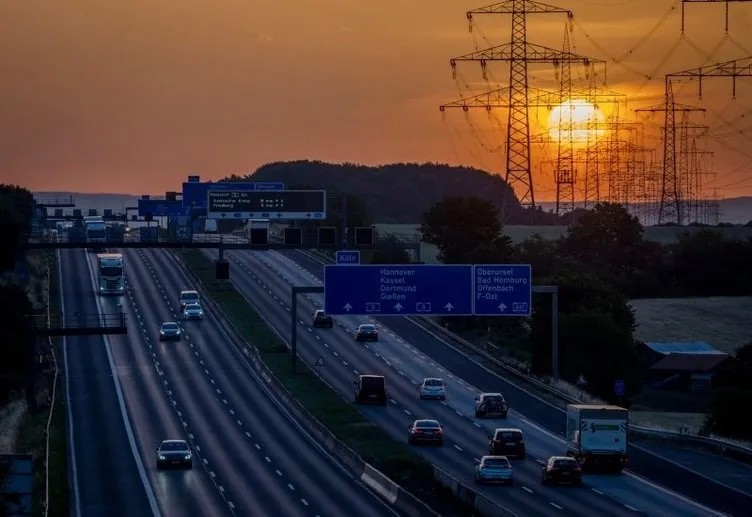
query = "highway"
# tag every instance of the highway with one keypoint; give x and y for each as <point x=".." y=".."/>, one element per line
<point x="259" y="459"/>
<point x="104" y="476"/>
<point x="712" y="480"/>
<point x="265" y="279"/>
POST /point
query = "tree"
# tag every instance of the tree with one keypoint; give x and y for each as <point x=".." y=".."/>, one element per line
<point x="16" y="337"/>
<point x="465" y="230"/>
<point x="729" y="413"/>
<point x="595" y="331"/>
<point x="16" y="209"/>
<point x="390" y="251"/>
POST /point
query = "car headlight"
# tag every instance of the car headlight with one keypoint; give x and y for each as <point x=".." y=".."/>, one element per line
<point x="161" y="457"/>
<point x="161" y="332"/>
<point x="187" y="456"/>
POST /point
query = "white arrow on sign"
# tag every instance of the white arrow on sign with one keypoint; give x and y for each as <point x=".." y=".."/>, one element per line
<point x="347" y="307"/>
<point x="449" y="306"/>
<point x="502" y="307"/>
<point x="398" y="307"/>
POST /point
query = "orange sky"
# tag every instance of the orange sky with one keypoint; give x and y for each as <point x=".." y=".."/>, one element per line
<point x="131" y="96"/>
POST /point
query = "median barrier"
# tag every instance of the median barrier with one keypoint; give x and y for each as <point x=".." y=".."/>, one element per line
<point x="482" y="504"/>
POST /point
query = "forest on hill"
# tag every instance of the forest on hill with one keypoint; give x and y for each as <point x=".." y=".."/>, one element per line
<point x="399" y="192"/>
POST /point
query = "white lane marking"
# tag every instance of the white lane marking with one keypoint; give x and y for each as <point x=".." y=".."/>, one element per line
<point x="458" y="447"/>
<point x="212" y="474"/>
<point x="526" y="489"/>
<point x="304" y="502"/>
<point x="268" y="459"/>
<point x="556" y="506"/>
<point x="229" y="503"/>
<point x="257" y="446"/>
<point x="121" y="402"/>
<point x="407" y="412"/>
<point x="476" y="424"/>
<point x="71" y="441"/>
<point x="278" y="472"/>
<point x="291" y="487"/>
<point x="631" y="508"/>
<point x="597" y="491"/>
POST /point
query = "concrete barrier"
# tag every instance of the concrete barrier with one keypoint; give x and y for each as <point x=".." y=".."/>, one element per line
<point x="482" y="504"/>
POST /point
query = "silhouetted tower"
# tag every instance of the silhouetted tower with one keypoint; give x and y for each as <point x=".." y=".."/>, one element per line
<point x="565" y="172"/>
<point x="670" y="207"/>
<point x="519" y="52"/>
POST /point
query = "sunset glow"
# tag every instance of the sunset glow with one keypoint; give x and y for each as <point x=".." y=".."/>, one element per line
<point x="586" y="122"/>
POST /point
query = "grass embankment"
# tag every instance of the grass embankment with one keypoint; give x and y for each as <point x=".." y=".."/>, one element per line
<point x="373" y="444"/>
<point x="31" y="435"/>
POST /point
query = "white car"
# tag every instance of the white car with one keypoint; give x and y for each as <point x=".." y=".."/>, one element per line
<point x="193" y="311"/>
<point x="433" y="388"/>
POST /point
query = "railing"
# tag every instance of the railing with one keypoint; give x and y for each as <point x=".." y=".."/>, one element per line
<point x="78" y="321"/>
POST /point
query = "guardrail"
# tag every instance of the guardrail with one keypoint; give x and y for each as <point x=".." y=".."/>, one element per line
<point x="723" y="447"/>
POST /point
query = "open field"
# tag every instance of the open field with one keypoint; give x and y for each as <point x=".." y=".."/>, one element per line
<point x="722" y="321"/>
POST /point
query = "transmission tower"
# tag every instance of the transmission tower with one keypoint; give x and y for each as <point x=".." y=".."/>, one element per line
<point x="670" y="208"/>
<point x="519" y="52"/>
<point x="726" y="2"/>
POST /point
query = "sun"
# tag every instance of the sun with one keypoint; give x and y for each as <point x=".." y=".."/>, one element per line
<point x="586" y="121"/>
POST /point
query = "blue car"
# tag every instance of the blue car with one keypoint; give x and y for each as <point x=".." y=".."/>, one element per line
<point x="493" y="469"/>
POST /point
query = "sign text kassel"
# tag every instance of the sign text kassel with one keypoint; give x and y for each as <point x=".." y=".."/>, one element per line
<point x="424" y="289"/>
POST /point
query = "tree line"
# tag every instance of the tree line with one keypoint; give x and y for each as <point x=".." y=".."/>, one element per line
<point x="16" y="334"/>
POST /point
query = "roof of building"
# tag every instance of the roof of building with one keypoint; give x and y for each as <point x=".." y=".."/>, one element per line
<point x="683" y="347"/>
<point x="690" y="362"/>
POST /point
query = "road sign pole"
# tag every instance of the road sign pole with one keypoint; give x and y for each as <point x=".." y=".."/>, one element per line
<point x="294" y="318"/>
<point x="555" y="333"/>
<point x="294" y="329"/>
<point x="553" y="290"/>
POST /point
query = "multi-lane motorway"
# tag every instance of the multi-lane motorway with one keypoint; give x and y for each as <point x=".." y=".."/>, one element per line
<point x="127" y="393"/>
<point x="265" y="279"/>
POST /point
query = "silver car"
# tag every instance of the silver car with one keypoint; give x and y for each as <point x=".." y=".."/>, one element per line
<point x="169" y="330"/>
<point x="174" y="453"/>
<point x="493" y="469"/>
<point x="433" y="388"/>
<point x="193" y="311"/>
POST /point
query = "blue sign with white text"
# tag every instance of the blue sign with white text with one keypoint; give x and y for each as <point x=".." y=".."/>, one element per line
<point x="160" y="208"/>
<point x="503" y="289"/>
<point x="391" y="290"/>
<point x="195" y="193"/>
<point x="348" y="257"/>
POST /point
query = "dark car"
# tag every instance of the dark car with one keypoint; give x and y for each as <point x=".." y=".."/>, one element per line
<point x="425" y="431"/>
<point x="322" y="319"/>
<point x="174" y="453"/>
<point x="169" y="330"/>
<point x="562" y="469"/>
<point x="370" y="388"/>
<point x="367" y="332"/>
<point x="491" y="405"/>
<point x="507" y="442"/>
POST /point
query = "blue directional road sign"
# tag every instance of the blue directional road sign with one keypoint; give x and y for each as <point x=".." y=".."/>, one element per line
<point x="502" y="289"/>
<point x="416" y="289"/>
<point x="619" y="388"/>
<point x="351" y="257"/>
<point x="160" y="208"/>
<point x="195" y="193"/>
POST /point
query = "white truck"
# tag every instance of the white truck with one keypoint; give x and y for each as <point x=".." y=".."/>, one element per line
<point x="110" y="279"/>
<point x="597" y="436"/>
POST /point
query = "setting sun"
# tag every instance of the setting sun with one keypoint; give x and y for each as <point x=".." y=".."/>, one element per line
<point x="581" y="114"/>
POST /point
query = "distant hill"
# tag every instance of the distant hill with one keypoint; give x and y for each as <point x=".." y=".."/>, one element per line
<point x="395" y="193"/>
